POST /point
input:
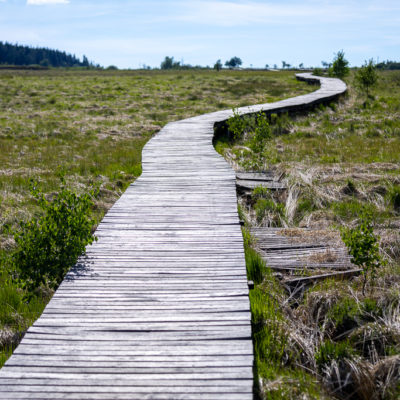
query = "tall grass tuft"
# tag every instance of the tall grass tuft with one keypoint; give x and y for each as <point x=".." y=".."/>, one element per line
<point x="255" y="265"/>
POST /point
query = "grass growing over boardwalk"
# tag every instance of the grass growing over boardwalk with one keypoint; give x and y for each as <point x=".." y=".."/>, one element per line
<point x="91" y="126"/>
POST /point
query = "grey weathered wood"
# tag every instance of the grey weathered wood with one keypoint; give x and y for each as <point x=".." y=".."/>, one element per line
<point x="252" y="184"/>
<point x="283" y="254"/>
<point x="158" y="307"/>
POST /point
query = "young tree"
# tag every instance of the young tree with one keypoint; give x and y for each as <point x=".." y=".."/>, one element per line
<point x="218" y="65"/>
<point x="363" y="246"/>
<point x="234" y="62"/>
<point x="367" y="77"/>
<point x="340" y="66"/>
<point x="284" y="64"/>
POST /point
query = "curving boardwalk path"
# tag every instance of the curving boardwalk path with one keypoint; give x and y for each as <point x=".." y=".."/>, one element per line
<point x="158" y="308"/>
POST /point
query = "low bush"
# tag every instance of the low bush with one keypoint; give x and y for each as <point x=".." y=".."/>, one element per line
<point x="47" y="246"/>
<point x="236" y="125"/>
<point x="363" y="246"/>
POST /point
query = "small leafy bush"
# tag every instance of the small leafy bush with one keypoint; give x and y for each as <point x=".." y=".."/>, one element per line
<point x="236" y="125"/>
<point x="363" y="246"/>
<point x="367" y="77"/>
<point x="262" y="129"/>
<point x="49" y="245"/>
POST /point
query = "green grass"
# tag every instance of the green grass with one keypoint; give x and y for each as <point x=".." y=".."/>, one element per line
<point x="94" y="123"/>
<point x="330" y="351"/>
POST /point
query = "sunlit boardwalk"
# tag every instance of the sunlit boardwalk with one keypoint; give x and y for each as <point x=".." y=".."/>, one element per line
<point x="158" y="308"/>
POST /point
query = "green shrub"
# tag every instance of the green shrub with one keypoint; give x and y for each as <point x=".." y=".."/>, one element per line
<point x="49" y="245"/>
<point x="366" y="77"/>
<point x="262" y="129"/>
<point x="363" y="246"/>
<point x="236" y="125"/>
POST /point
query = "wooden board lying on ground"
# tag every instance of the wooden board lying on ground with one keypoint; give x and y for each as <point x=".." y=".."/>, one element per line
<point x="302" y="261"/>
<point x="158" y="308"/>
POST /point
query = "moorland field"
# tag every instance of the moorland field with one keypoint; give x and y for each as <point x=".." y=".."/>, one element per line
<point x="334" y="341"/>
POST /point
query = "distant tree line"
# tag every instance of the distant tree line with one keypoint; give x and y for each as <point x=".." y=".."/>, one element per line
<point x="14" y="54"/>
<point x="170" y="63"/>
<point x="388" y="65"/>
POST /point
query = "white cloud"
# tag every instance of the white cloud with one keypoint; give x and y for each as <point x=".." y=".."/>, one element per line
<point x="45" y="2"/>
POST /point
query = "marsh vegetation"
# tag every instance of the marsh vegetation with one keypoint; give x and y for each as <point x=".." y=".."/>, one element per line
<point x="339" y="338"/>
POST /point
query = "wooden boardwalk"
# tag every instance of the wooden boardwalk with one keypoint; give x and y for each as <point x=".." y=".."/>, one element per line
<point x="158" y="308"/>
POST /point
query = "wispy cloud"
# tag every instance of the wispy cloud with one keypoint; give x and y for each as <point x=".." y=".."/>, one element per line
<point x="45" y="2"/>
<point x="233" y="13"/>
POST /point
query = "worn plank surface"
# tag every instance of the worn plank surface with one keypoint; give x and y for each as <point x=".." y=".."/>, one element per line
<point x="283" y="252"/>
<point x="158" y="308"/>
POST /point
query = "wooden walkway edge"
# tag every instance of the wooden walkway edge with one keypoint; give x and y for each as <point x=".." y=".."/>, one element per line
<point x="158" y="308"/>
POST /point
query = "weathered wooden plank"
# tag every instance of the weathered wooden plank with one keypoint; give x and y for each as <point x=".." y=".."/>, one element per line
<point x="252" y="184"/>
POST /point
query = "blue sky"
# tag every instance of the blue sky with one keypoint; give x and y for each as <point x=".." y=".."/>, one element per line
<point x="132" y="33"/>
